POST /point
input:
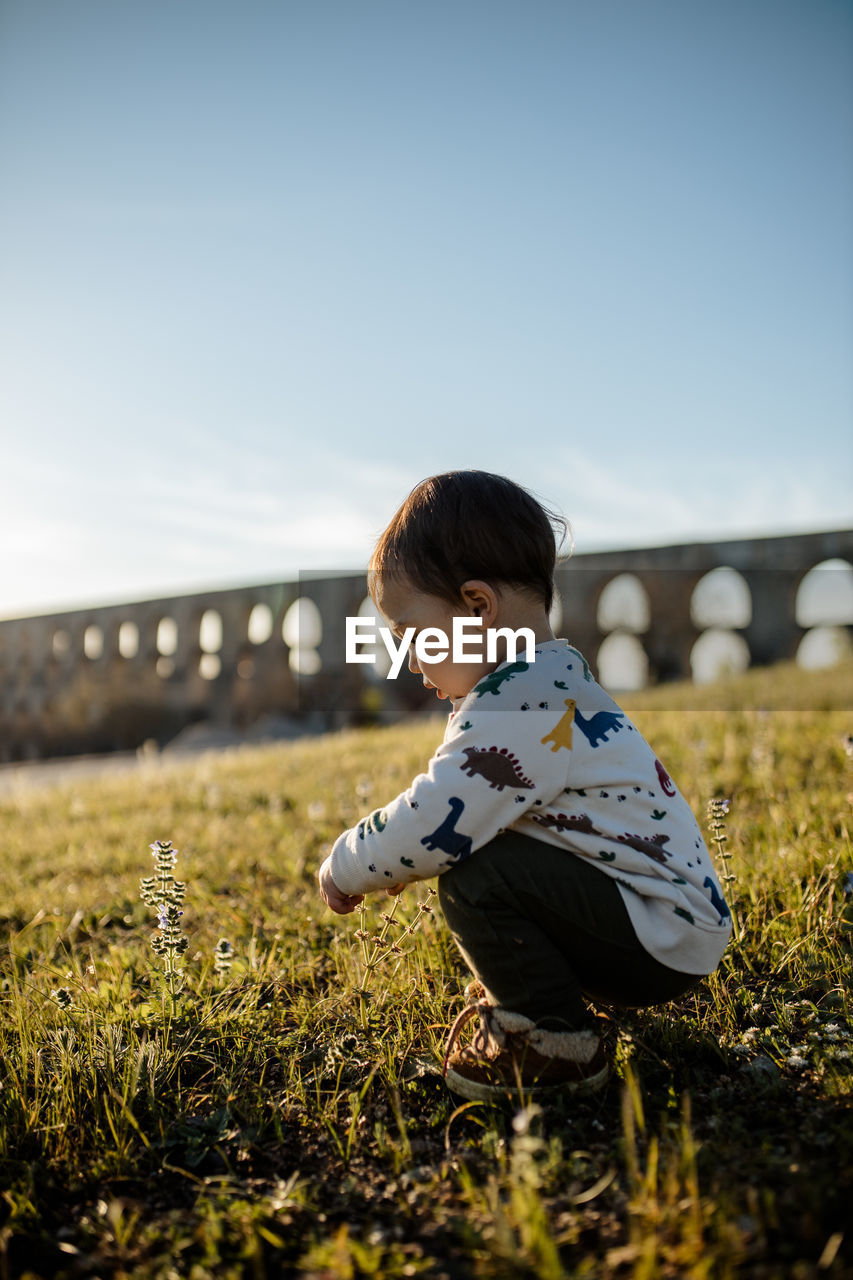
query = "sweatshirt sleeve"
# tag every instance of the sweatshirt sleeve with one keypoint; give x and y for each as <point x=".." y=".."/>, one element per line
<point x="475" y="786"/>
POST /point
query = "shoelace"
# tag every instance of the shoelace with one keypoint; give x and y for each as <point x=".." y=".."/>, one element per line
<point x="481" y="1036"/>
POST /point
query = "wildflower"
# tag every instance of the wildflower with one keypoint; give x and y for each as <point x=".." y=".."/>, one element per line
<point x="523" y="1119"/>
<point x="223" y="956"/>
<point x="63" y="997"/>
<point x="717" y="811"/>
<point x="797" y="1062"/>
<point x="382" y="944"/>
<point x="166" y="895"/>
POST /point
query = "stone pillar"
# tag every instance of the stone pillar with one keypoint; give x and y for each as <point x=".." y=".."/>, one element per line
<point x="773" y="634"/>
<point x="672" y="634"/>
<point x="579" y="590"/>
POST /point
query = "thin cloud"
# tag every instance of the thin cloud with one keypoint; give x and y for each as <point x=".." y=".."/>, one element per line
<point x="244" y="520"/>
<point x="642" y="504"/>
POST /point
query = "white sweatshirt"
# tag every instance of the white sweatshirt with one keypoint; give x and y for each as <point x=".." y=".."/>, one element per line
<point x="540" y="748"/>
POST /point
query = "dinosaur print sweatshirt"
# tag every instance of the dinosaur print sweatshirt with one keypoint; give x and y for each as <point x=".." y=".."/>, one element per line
<point x="541" y="748"/>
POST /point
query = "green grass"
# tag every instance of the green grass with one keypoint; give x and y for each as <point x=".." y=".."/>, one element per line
<point x="276" y="1122"/>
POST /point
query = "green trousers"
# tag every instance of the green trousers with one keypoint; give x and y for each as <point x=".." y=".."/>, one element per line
<point x="545" y="931"/>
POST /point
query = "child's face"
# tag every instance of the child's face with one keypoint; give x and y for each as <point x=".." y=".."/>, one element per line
<point x="404" y="606"/>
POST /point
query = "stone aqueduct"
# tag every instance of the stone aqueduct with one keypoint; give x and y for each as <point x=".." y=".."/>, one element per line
<point x="110" y="678"/>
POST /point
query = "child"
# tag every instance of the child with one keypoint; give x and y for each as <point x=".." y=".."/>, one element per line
<point x="570" y="867"/>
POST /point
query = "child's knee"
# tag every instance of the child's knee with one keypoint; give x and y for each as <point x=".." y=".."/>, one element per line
<point x="473" y="884"/>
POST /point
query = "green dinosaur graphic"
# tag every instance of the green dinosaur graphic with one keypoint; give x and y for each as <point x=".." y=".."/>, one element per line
<point x="493" y="681"/>
<point x="373" y="823"/>
<point x="586" y="672"/>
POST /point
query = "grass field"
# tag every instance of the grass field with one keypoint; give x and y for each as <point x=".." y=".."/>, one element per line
<point x="269" y="1119"/>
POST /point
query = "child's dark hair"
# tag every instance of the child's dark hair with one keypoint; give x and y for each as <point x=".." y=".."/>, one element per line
<point x="470" y="524"/>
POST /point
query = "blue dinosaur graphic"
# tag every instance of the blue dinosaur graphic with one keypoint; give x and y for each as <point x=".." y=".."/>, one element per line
<point x="716" y="900"/>
<point x="445" y="837"/>
<point x="493" y="681"/>
<point x="597" y="728"/>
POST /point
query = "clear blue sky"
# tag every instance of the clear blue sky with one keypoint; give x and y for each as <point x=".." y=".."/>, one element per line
<point x="265" y="265"/>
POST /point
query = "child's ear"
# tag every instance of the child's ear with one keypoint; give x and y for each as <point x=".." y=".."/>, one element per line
<point x="476" y="613"/>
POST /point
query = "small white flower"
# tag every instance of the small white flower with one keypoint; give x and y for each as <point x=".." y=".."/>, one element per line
<point x="521" y="1121"/>
<point x="797" y="1062"/>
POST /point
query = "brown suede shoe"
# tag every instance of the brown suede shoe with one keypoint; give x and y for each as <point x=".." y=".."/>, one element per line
<point x="510" y="1053"/>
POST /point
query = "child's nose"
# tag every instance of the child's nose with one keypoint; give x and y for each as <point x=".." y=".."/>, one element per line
<point x="413" y="661"/>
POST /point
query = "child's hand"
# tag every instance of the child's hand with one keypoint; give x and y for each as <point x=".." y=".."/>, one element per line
<point x="341" y="903"/>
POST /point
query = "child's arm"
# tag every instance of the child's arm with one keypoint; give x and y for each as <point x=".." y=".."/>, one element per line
<point x="343" y="903"/>
<point x="475" y="787"/>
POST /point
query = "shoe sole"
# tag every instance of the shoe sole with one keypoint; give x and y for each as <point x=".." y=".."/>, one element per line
<point x="477" y="1091"/>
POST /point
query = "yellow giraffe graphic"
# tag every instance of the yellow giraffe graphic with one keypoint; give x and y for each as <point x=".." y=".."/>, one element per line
<point x="561" y="734"/>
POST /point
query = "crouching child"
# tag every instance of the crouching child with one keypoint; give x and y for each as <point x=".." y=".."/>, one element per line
<point x="570" y="868"/>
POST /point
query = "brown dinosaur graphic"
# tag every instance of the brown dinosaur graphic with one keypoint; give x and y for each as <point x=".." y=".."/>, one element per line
<point x="497" y="765"/>
<point x="651" y="846"/>
<point x="561" y="734"/>
<point x="566" y="822"/>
